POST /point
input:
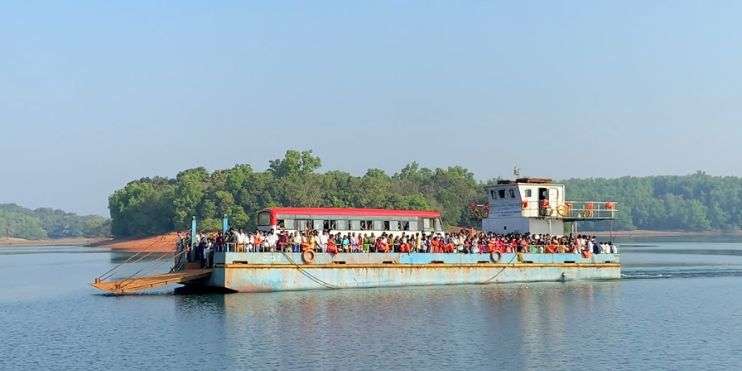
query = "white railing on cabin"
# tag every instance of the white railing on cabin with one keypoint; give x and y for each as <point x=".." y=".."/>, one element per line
<point x="581" y="210"/>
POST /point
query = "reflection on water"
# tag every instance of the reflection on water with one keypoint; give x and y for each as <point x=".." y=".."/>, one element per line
<point x="688" y="319"/>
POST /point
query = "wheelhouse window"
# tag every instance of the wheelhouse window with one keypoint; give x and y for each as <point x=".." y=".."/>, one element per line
<point x="512" y="193"/>
<point x="528" y="193"/>
<point x="501" y="193"/>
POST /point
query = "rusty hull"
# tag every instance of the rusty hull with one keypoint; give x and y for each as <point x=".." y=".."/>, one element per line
<point x="266" y="272"/>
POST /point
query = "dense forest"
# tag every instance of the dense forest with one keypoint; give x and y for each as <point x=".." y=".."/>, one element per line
<point x="19" y="222"/>
<point x="155" y="205"/>
<point x="694" y="202"/>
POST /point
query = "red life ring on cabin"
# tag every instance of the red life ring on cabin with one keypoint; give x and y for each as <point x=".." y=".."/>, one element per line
<point x="524" y="204"/>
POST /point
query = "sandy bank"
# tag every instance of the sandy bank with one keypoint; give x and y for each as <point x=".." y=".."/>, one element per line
<point x="161" y="243"/>
<point x="76" y="241"/>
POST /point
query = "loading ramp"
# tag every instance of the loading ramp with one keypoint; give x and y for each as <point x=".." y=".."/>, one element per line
<point x="135" y="284"/>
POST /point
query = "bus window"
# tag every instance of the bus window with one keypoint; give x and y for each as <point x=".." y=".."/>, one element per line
<point x="355" y="225"/>
<point x="387" y="225"/>
<point x="304" y="224"/>
<point x="264" y="218"/>
<point x="404" y="226"/>
<point x="330" y="225"/>
<point x="289" y="223"/>
<point x="281" y="223"/>
<point x="341" y="225"/>
<point x="367" y="225"/>
<point x="413" y="225"/>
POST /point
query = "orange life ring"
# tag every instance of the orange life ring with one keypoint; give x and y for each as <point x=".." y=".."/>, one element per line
<point x="564" y="210"/>
<point x="307" y="256"/>
<point x="495" y="256"/>
<point x="524" y="204"/>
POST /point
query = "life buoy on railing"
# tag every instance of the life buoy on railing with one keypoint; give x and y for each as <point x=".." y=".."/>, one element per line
<point x="307" y="256"/>
<point x="495" y="256"/>
<point x="564" y="210"/>
<point x="610" y="205"/>
<point x="524" y="204"/>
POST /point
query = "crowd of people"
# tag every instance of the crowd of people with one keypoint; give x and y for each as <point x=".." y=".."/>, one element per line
<point x="465" y="241"/>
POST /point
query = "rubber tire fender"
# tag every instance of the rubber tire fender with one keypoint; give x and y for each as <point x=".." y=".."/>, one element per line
<point x="307" y="257"/>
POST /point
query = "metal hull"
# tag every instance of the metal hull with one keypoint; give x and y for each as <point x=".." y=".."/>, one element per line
<point x="266" y="272"/>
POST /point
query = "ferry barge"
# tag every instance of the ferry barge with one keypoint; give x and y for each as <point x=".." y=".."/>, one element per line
<point x="523" y="206"/>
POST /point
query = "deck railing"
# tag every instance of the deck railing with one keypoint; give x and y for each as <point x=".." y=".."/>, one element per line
<point x="587" y="210"/>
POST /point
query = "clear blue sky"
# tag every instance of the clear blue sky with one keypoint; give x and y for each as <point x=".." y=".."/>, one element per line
<point x="93" y="94"/>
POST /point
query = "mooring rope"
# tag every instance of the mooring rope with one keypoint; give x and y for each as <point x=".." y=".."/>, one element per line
<point x="110" y="272"/>
<point x="515" y="255"/>
<point x="152" y="266"/>
<point x="309" y="275"/>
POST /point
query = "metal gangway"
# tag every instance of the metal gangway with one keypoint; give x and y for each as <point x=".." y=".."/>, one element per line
<point x="146" y="276"/>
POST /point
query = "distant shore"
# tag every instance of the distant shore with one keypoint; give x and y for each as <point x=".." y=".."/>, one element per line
<point x="161" y="243"/>
<point x="651" y="234"/>
<point x="73" y="241"/>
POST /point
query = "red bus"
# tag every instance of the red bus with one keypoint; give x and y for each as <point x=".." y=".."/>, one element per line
<point x="346" y="220"/>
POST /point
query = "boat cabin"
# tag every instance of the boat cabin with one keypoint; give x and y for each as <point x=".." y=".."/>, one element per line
<point x="538" y="206"/>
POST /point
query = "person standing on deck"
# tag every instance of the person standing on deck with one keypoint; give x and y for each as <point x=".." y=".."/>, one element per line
<point x="331" y="246"/>
<point x="323" y="241"/>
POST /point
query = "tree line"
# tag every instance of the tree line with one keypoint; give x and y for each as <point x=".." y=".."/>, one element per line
<point x="695" y="202"/>
<point x="150" y="206"/>
<point x="20" y="222"/>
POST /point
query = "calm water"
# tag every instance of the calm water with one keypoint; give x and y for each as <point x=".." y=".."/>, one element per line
<point x="678" y="307"/>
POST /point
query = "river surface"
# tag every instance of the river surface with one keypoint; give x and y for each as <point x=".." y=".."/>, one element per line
<point x="679" y="306"/>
